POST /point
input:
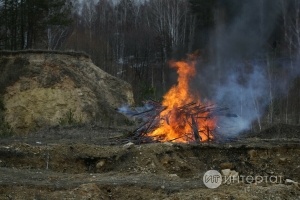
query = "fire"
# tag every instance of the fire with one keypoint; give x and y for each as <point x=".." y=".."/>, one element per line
<point x="181" y="118"/>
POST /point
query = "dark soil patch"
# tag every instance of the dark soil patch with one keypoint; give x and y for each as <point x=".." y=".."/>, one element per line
<point x="88" y="162"/>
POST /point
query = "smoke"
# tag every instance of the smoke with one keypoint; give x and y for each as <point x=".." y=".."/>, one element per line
<point x="132" y="111"/>
<point x="246" y="94"/>
<point x="249" y="30"/>
<point x="236" y="78"/>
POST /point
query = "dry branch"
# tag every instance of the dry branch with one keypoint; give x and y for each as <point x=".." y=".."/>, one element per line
<point x="192" y="111"/>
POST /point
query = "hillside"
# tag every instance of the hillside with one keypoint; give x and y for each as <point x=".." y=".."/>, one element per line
<point x="46" y="88"/>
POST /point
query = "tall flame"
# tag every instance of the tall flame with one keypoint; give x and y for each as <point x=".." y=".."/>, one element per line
<point x="178" y="126"/>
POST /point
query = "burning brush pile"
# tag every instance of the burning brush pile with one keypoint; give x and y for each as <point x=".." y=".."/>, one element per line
<point x="180" y="117"/>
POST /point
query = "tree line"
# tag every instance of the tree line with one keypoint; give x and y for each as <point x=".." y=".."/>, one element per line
<point x="134" y="40"/>
<point x="25" y="23"/>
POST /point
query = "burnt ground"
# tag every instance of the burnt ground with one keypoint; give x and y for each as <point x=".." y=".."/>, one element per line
<point x="90" y="162"/>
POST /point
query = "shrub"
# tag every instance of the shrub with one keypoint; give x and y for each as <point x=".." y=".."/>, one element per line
<point x="69" y="119"/>
<point x="5" y="129"/>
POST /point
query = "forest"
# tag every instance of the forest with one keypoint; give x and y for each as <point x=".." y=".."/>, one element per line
<point x="248" y="51"/>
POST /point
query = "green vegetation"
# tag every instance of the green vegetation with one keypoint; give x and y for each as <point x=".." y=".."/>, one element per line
<point x="147" y="91"/>
<point x="129" y="122"/>
<point x="69" y="119"/>
<point x="5" y="129"/>
<point x="1" y="104"/>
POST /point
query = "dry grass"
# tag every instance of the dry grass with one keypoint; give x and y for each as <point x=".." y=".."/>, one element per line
<point x="43" y="51"/>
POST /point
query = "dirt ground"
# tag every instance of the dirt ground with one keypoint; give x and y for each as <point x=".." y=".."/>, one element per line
<point x="91" y="162"/>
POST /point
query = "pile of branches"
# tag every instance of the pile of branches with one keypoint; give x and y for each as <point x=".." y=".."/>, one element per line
<point x="191" y="113"/>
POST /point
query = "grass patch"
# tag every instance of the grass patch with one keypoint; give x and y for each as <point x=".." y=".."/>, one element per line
<point x="69" y="119"/>
<point x="5" y="129"/>
<point x="2" y="108"/>
<point x="129" y="122"/>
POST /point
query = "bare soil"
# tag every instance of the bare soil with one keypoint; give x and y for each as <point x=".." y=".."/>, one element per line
<point x="90" y="162"/>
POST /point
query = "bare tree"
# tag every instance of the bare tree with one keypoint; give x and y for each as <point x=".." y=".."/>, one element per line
<point x="89" y="16"/>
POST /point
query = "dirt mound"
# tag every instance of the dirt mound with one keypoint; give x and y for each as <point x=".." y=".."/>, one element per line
<point x="46" y="88"/>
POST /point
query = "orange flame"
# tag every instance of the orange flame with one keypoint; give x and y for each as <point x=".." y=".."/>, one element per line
<point x="175" y="125"/>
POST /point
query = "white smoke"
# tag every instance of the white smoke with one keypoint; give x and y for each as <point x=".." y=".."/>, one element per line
<point x="234" y="79"/>
<point x="245" y="94"/>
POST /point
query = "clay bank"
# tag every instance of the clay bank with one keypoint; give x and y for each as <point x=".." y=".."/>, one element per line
<point x="43" y="88"/>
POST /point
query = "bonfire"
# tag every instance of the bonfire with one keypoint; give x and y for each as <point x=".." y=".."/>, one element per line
<point x="180" y="117"/>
